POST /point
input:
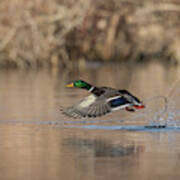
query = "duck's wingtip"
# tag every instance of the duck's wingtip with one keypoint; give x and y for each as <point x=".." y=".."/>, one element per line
<point x="67" y="112"/>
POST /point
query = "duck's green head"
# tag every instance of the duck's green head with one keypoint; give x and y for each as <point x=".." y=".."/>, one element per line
<point x="79" y="84"/>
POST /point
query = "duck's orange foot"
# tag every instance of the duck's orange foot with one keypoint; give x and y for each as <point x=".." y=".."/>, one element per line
<point x="139" y="106"/>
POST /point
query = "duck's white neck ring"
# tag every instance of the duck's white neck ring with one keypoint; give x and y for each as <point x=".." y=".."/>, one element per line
<point x="91" y="89"/>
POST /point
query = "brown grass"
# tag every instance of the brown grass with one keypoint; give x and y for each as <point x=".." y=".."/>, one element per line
<point x="40" y="33"/>
<point x="33" y="33"/>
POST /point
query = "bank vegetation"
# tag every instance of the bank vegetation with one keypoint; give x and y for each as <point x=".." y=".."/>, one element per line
<point x="64" y="33"/>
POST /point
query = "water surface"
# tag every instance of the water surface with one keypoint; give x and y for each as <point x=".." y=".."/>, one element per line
<point x="37" y="142"/>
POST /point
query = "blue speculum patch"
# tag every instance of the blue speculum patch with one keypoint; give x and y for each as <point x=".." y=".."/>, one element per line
<point x="118" y="102"/>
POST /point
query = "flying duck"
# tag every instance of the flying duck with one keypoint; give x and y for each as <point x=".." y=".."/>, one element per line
<point x="102" y="100"/>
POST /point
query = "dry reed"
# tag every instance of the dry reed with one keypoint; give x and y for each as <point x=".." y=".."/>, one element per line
<point x="58" y="33"/>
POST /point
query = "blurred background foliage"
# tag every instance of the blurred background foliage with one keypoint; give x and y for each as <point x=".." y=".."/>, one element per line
<point x="64" y="33"/>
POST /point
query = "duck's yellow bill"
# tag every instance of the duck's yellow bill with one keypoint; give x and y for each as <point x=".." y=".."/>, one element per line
<point x="70" y="85"/>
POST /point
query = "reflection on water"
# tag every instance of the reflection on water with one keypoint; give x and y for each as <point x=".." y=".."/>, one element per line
<point x="37" y="142"/>
<point x="101" y="148"/>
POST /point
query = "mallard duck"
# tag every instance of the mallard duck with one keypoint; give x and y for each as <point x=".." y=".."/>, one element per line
<point x="102" y="100"/>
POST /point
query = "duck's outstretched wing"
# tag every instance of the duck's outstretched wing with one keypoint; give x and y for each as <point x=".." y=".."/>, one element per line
<point x="93" y="106"/>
